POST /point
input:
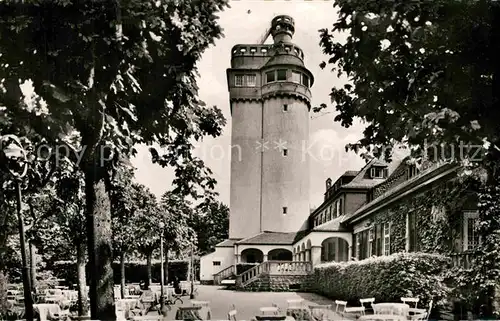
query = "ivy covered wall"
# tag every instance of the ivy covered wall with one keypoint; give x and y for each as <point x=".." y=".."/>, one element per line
<point x="437" y="211"/>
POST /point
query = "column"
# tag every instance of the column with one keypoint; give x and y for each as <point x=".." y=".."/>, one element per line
<point x="264" y="257"/>
<point x="308" y="255"/>
<point x="315" y="255"/>
<point x="237" y="258"/>
<point x="349" y="253"/>
<point x="337" y="250"/>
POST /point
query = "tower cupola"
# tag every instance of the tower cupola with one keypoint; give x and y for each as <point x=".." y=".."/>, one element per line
<point x="282" y="29"/>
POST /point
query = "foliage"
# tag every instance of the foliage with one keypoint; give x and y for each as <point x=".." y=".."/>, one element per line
<point x="411" y="66"/>
<point x="135" y="272"/>
<point x="176" y="215"/>
<point x="211" y="224"/>
<point x="105" y="76"/>
<point x="130" y="202"/>
<point x="385" y="278"/>
<point x="425" y="73"/>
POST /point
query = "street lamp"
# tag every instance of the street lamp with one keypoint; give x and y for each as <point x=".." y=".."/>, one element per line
<point x="13" y="156"/>
<point x="162" y="271"/>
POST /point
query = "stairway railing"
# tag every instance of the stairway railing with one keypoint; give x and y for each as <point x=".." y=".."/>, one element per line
<point x="224" y="274"/>
<point x="273" y="268"/>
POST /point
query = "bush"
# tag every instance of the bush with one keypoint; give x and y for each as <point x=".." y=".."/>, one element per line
<point x="385" y="278"/>
<point x="135" y="272"/>
<point x="242" y="267"/>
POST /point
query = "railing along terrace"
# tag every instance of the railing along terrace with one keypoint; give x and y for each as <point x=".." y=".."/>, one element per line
<point x="289" y="267"/>
<point x="266" y="50"/>
<point x="463" y="259"/>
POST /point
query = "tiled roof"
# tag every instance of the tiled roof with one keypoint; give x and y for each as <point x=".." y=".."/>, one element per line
<point x="425" y="175"/>
<point x="227" y="243"/>
<point x="333" y="225"/>
<point x="350" y="173"/>
<point x="274" y="238"/>
<point x="361" y="181"/>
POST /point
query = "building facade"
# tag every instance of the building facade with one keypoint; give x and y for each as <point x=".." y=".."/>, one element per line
<point x="380" y="209"/>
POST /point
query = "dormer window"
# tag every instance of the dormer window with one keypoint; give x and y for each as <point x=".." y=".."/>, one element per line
<point x="378" y="172"/>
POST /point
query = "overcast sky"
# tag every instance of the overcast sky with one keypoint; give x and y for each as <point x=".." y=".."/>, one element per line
<point x="328" y="138"/>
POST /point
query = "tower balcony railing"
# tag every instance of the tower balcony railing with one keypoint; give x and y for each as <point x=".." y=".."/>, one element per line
<point x="266" y="50"/>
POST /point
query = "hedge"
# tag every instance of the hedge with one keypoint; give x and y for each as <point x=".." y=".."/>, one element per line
<point x="385" y="278"/>
<point x="242" y="267"/>
<point x="134" y="272"/>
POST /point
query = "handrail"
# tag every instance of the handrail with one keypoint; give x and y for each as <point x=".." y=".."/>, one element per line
<point x="221" y="275"/>
<point x="274" y="268"/>
<point x="463" y="259"/>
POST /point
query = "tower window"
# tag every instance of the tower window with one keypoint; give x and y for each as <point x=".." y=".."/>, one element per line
<point x="285" y="152"/>
<point x="216" y="263"/>
<point x="285" y="210"/>
<point x="281" y="74"/>
<point x="305" y="80"/>
<point x="238" y="80"/>
<point x="296" y="77"/>
<point x="270" y="76"/>
<point x="251" y="80"/>
<point x="285" y="107"/>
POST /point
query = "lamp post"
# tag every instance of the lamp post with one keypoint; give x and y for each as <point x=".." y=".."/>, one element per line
<point x="162" y="271"/>
<point x="191" y="295"/>
<point x="14" y="157"/>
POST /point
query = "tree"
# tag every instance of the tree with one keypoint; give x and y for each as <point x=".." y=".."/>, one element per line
<point x="110" y="74"/>
<point x="130" y="202"/>
<point x="178" y="235"/>
<point x="211" y="224"/>
<point x="58" y="229"/>
<point x="426" y="73"/>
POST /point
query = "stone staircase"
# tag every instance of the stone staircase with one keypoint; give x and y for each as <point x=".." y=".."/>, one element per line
<point x="227" y="273"/>
<point x="275" y="276"/>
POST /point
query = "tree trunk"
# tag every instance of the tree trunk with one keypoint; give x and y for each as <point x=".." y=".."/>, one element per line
<point x="122" y="274"/>
<point x="98" y="213"/>
<point x="32" y="266"/>
<point x="3" y="291"/>
<point x="148" y="268"/>
<point x="83" y="308"/>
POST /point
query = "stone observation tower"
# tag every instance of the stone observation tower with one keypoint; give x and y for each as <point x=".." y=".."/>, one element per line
<point x="270" y="103"/>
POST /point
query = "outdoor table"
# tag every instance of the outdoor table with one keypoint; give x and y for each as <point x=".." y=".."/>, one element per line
<point x="192" y="313"/>
<point x="267" y="310"/>
<point x="382" y="317"/>
<point x="47" y="310"/>
<point x="391" y="308"/>
<point x="299" y="313"/>
<point x="272" y="318"/>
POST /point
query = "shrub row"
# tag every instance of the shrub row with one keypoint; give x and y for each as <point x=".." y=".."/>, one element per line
<point x="134" y="272"/>
<point x="385" y="278"/>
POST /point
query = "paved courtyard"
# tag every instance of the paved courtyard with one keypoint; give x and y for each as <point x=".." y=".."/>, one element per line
<point x="247" y="303"/>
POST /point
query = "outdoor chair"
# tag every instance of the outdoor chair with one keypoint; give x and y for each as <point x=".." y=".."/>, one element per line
<point x="231" y="315"/>
<point x="366" y="301"/>
<point x="422" y="314"/>
<point x="348" y="310"/>
<point x="410" y="301"/>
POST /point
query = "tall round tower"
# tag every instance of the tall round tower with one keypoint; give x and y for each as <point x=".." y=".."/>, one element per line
<point x="270" y="103"/>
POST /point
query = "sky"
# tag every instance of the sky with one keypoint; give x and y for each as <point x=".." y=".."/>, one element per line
<point x="244" y="23"/>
